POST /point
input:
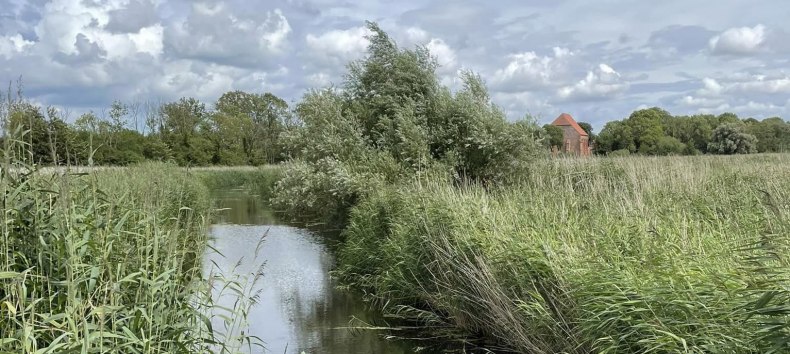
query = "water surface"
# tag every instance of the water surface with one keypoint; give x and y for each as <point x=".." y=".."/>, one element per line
<point x="299" y="307"/>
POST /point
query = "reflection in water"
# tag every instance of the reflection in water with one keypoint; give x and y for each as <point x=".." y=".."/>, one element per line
<point x="299" y="307"/>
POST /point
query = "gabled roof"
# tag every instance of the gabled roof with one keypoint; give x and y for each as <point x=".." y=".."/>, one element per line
<point x="566" y="119"/>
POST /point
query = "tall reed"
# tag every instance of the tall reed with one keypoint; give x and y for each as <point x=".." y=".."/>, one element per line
<point x="108" y="261"/>
<point x="631" y="255"/>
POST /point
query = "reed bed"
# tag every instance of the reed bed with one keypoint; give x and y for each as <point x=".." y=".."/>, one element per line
<point x="626" y="255"/>
<point x="110" y="261"/>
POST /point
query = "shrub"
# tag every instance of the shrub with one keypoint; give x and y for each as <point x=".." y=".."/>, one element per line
<point x="393" y="121"/>
<point x="729" y="138"/>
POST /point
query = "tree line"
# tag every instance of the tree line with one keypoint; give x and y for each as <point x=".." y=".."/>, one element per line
<point x="244" y="128"/>
<point x="654" y="131"/>
<point x="240" y="129"/>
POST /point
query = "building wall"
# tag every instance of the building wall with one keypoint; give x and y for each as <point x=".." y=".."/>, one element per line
<point x="573" y="142"/>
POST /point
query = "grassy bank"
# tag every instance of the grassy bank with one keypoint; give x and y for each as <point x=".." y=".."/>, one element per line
<point x="631" y="255"/>
<point x="259" y="180"/>
<point x="107" y="261"/>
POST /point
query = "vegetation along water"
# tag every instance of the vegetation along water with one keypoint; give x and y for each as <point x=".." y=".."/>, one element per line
<point x="448" y="217"/>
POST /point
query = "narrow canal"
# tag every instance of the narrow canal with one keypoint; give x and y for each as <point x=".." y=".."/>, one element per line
<point x="299" y="308"/>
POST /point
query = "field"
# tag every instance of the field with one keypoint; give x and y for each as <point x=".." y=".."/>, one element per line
<point x="620" y="255"/>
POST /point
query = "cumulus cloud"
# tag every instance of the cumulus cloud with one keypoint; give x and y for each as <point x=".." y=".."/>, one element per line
<point x="745" y="84"/>
<point x="528" y="71"/>
<point x="601" y="83"/>
<point x="739" y="40"/>
<point x="445" y="56"/>
<point x="133" y="16"/>
<point x="86" y="53"/>
<point x="691" y="101"/>
<point x="12" y="45"/>
<point x="217" y="33"/>
<point x="338" y="47"/>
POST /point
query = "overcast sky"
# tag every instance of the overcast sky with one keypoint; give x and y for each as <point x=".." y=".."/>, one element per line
<point x="597" y="60"/>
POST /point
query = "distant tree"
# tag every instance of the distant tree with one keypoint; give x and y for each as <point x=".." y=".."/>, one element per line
<point x="616" y="135"/>
<point x="256" y="120"/>
<point x="185" y="131"/>
<point x="668" y="145"/>
<point x="553" y="135"/>
<point x="646" y="127"/>
<point x="729" y="138"/>
<point x="589" y="130"/>
<point x="773" y="134"/>
<point x="728" y="117"/>
<point x="28" y="117"/>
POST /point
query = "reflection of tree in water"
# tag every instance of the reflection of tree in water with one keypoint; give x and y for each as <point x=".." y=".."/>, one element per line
<point x="243" y="209"/>
<point x="322" y="323"/>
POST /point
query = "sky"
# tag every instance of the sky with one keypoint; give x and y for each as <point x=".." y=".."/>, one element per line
<point x="597" y="60"/>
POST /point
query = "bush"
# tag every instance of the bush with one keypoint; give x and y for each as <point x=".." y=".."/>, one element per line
<point x="729" y="138"/>
<point x="394" y="121"/>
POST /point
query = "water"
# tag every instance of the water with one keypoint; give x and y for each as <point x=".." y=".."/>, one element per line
<point x="299" y="309"/>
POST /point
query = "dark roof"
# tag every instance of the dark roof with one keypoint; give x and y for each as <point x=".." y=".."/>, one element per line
<point x="566" y="119"/>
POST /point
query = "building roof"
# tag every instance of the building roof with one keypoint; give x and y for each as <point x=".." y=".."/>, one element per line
<point x="566" y="119"/>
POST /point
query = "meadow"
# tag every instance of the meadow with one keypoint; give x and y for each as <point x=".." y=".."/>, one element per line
<point x="601" y="255"/>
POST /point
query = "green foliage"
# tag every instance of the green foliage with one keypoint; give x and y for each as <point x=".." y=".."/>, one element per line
<point x="667" y="145"/>
<point x="616" y="135"/>
<point x="655" y="132"/>
<point x="773" y="134"/>
<point x="679" y="254"/>
<point x="249" y="125"/>
<point x="392" y="121"/>
<point x="185" y="125"/>
<point x="554" y="136"/>
<point x="730" y="138"/>
<point x="587" y="127"/>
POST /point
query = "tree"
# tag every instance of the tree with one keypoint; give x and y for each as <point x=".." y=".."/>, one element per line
<point x="668" y="145"/>
<point x="647" y="129"/>
<point x="729" y="138"/>
<point x="29" y="118"/>
<point x="773" y="134"/>
<point x="185" y="126"/>
<point x="591" y="137"/>
<point x="256" y="121"/>
<point x="554" y="135"/>
<point x="616" y="135"/>
<point x="393" y="120"/>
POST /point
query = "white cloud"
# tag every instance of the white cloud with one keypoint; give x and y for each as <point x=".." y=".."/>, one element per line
<point x="275" y="31"/>
<point x="527" y="71"/>
<point x="340" y="46"/>
<point x="739" y="40"/>
<point x="762" y="84"/>
<point x="415" y="35"/>
<point x="12" y="45"/>
<point x="445" y="55"/>
<point x="691" y="101"/>
<point x="149" y="40"/>
<point x="745" y="84"/>
<point x="603" y="82"/>
<point x="221" y="34"/>
<point x="319" y="80"/>
<point x="711" y="87"/>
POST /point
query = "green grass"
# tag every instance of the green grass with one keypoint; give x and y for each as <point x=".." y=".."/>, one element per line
<point x="109" y="261"/>
<point x="630" y="255"/>
<point x="259" y="180"/>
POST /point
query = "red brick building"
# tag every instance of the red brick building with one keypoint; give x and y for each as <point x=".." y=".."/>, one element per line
<point x="575" y="139"/>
